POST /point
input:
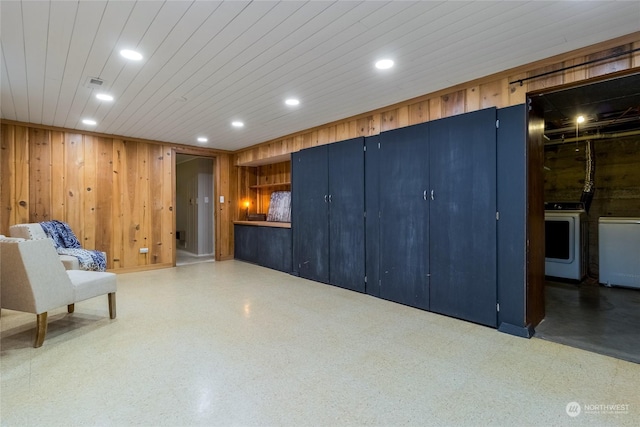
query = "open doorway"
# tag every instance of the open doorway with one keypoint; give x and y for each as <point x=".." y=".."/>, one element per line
<point x="195" y="226"/>
<point x="592" y="216"/>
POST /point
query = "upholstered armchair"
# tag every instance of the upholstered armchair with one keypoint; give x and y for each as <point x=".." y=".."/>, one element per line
<point x="33" y="280"/>
<point x="33" y="231"/>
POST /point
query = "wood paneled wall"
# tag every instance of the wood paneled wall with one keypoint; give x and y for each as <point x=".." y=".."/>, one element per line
<point x="492" y="91"/>
<point x="116" y="194"/>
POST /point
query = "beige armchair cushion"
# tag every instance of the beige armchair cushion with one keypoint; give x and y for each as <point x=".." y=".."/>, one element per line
<point x="33" y="280"/>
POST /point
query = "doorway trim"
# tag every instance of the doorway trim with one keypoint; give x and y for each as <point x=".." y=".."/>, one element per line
<point x="216" y="191"/>
<point x="535" y="277"/>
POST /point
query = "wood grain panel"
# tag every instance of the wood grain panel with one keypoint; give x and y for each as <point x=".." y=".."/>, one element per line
<point x="116" y="254"/>
<point x="307" y="140"/>
<point x="74" y="172"/>
<point x="131" y="217"/>
<point x="168" y="220"/>
<point x="8" y="181"/>
<point x="156" y="202"/>
<point x="418" y="113"/>
<point x="142" y="207"/>
<point x="611" y="65"/>
<point x="89" y="193"/>
<point x="40" y="171"/>
<point x="494" y="94"/>
<point x="473" y="98"/>
<point x="435" y="108"/>
<point x="342" y="131"/>
<point x="575" y="74"/>
<point x="224" y="223"/>
<point x="517" y="91"/>
<point x="454" y="103"/>
<point x="21" y="164"/>
<point x="402" y="117"/>
<point x="548" y="81"/>
<point x="103" y="191"/>
<point x="58" y="209"/>
<point x="389" y="120"/>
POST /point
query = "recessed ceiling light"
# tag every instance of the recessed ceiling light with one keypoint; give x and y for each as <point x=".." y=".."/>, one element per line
<point x="237" y="124"/>
<point x="89" y="122"/>
<point x="384" y="64"/>
<point x="202" y="139"/>
<point x="131" y="54"/>
<point x="292" y="101"/>
<point x="104" y="97"/>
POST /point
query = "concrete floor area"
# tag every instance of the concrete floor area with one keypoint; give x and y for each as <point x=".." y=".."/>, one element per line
<point x="184" y="257"/>
<point x="593" y="317"/>
<point x="229" y="343"/>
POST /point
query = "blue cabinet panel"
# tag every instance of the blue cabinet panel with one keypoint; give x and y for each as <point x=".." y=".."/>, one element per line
<point x="404" y="216"/>
<point x="463" y="216"/>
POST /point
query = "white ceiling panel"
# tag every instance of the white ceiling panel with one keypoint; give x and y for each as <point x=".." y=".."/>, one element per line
<point x="35" y="30"/>
<point x="58" y="39"/>
<point x="209" y="62"/>
<point x="149" y="86"/>
<point x="7" y="106"/>
<point x="85" y="23"/>
<point x="12" y="37"/>
<point x="164" y="90"/>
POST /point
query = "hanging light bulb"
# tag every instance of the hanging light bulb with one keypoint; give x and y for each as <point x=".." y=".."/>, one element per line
<point x="579" y="119"/>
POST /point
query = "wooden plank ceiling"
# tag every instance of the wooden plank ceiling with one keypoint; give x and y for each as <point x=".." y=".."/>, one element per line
<point x="207" y="63"/>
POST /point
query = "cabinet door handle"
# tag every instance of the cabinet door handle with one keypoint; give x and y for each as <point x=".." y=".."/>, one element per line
<point x="329" y="198"/>
<point x="325" y="198"/>
<point x="432" y="198"/>
<point x="424" y="195"/>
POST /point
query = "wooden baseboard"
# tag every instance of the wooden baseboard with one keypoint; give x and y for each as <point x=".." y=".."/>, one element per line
<point x="140" y="268"/>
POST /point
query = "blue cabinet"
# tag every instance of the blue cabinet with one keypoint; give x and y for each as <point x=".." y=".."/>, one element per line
<point x="404" y="216"/>
<point x="263" y="245"/>
<point x="328" y="214"/>
<point x="431" y="216"/>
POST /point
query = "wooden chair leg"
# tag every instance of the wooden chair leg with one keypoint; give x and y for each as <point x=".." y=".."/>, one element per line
<point x="41" y="329"/>
<point x="71" y="308"/>
<point x="112" y="305"/>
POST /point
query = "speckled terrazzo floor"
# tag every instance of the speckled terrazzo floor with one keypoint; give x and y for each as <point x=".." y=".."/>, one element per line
<point x="229" y="343"/>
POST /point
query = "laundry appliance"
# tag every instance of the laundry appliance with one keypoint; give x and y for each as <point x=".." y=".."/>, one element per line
<point x="566" y="240"/>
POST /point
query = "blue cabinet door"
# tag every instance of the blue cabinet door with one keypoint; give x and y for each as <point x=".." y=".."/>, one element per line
<point x="404" y="216"/>
<point x="245" y="243"/>
<point x="346" y="214"/>
<point x="372" y="220"/>
<point x="274" y="248"/>
<point x="310" y="219"/>
<point x="463" y="216"/>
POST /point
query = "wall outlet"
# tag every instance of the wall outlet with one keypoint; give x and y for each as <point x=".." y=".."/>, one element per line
<point x="144" y="250"/>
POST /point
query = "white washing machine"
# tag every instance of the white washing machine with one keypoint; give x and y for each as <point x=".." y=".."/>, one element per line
<point x="619" y="251"/>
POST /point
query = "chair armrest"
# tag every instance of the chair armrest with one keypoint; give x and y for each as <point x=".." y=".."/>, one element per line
<point x="70" y="262"/>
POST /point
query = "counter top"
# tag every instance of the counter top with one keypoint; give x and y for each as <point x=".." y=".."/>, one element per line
<point x="264" y="224"/>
